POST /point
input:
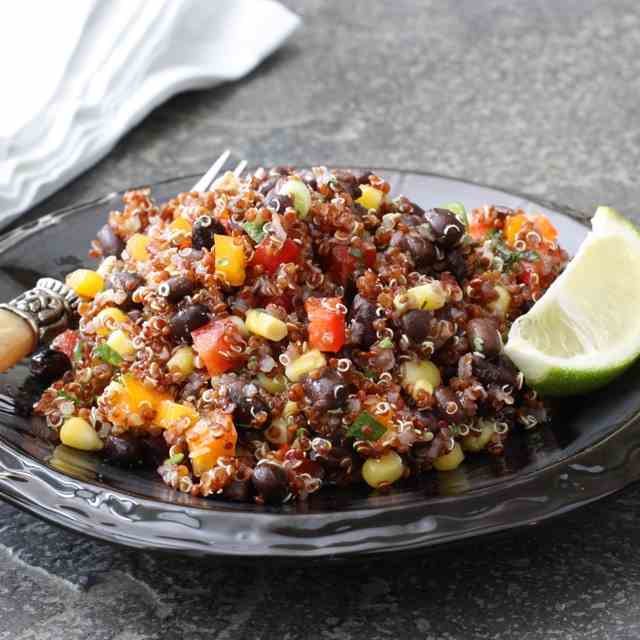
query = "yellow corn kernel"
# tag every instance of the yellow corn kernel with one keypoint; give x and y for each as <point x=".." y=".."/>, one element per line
<point x="478" y="441"/>
<point x="449" y="461"/>
<point x="109" y="315"/>
<point x="170" y="413"/>
<point x="384" y="470"/>
<point x="120" y="342"/>
<point x="500" y="306"/>
<point x="180" y="224"/>
<point x="276" y="384"/>
<point x="265" y="325"/>
<point x="420" y="375"/>
<point x="299" y="192"/>
<point x="305" y="364"/>
<point x="290" y="409"/>
<point x="182" y="361"/>
<point x="137" y="247"/>
<point x="86" y="283"/>
<point x="371" y="197"/>
<point x="428" y="296"/>
<point x="230" y="259"/>
<point x="79" y="434"/>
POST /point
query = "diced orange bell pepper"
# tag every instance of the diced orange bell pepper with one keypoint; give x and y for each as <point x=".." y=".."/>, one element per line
<point x="135" y="394"/>
<point x="478" y="228"/>
<point x="545" y="228"/>
<point x="170" y="413"/>
<point x="512" y="226"/>
<point x="213" y="344"/>
<point x="180" y="224"/>
<point x="210" y="439"/>
<point x="327" y="324"/>
<point x="85" y="282"/>
<point x="230" y="259"/>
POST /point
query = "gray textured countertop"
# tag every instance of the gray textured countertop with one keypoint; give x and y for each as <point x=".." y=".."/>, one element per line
<point x="541" y="96"/>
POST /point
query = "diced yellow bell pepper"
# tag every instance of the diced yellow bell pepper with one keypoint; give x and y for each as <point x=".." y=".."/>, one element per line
<point x="230" y="259"/>
<point x="137" y="247"/>
<point x="206" y="446"/>
<point x="512" y="226"/>
<point x="371" y="197"/>
<point x="110" y="313"/>
<point x="169" y="413"/>
<point x="120" y="342"/>
<point x="86" y="283"/>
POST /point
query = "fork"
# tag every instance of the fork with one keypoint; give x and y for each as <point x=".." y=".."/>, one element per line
<point x="39" y="314"/>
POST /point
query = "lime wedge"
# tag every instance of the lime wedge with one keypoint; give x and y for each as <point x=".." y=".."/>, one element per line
<point x="585" y="330"/>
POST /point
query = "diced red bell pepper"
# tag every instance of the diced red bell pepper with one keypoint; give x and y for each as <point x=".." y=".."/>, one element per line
<point x="213" y="343"/>
<point x="66" y="342"/>
<point x="347" y="260"/>
<point x="327" y="324"/>
<point x="270" y="260"/>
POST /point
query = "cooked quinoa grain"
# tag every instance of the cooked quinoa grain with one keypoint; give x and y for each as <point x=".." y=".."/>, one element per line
<point x="299" y="329"/>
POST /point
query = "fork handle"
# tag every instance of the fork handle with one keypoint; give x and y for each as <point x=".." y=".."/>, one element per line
<point x="34" y="316"/>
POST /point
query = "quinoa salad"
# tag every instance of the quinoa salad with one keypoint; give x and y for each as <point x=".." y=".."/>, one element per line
<point x="298" y="329"/>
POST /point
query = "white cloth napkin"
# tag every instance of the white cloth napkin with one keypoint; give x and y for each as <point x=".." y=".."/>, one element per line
<point x="79" y="74"/>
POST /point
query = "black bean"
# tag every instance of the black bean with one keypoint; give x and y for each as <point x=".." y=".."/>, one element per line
<point x="155" y="451"/>
<point x="123" y="451"/>
<point x="127" y="281"/>
<point x="271" y="482"/>
<point x="195" y="383"/>
<point x="362" y="316"/>
<point x="309" y="178"/>
<point x="248" y="409"/>
<point x="267" y="185"/>
<point x="457" y="263"/>
<point x="327" y="392"/>
<point x="484" y="337"/>
<point x="110" y="243"/>
<point x="420" y="249"/>
<point x="278" y="202"/>
<point x="203" y="230"/>
<point x="349" y="182"/>
<point x="363" y="177"/>
<point x="416" y="324"/>
<point x="417" y="209"/>
<point x="184" y="322"/>
<point x="447" y="229"/>
<point x="49" y="364"/>
<point x="501" y="373"/>
<point x="449" y="405"/>
<point x="176" y="288"/>
<point x="238" y="491"/>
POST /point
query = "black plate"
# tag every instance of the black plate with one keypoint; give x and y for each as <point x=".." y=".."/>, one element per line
<point x="590" y="450"/>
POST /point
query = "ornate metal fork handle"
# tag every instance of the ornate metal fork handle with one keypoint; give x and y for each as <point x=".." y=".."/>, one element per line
<point x="50" y="307"/>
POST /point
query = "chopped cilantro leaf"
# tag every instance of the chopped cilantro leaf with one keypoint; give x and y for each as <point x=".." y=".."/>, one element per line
<point x="369" y="374"/>
<point x="108" y="355"/>
<point x="255" y="230"/>
<point x="67" y="396"/>
<point x="176" y="458"/>
<point x="356" y="253"/>
<point x="366" y="427"/>
<point x="386" y="343"/>
<point x="301" y="432"/>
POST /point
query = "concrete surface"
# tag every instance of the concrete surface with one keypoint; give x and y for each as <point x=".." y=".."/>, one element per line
<point x="542" y="96"/>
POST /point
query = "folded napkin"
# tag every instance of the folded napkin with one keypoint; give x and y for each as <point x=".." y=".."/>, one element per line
<point x="84" y="72"/>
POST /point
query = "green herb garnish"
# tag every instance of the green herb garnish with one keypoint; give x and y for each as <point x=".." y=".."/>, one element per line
<point x="301" y="432"/>
<point x="508" y="256"/>
<point x="66" y="396"/>
<point x="176" y="458"/>
<point x="108" y="355"/>
<point x="385" y="343"/>
<point x="78" y="351"/>
<point x="356" y="253"/>
<point x="366" y="427"/>
<point x="367" y="373"/>
<point x="255" y="230"/>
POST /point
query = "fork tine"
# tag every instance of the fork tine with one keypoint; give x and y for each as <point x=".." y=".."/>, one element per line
<point x="240" y="168"/>
<point x="205" y="182"/>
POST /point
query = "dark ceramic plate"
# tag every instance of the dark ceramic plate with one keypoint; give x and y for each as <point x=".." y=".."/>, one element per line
<point x="588" y="452"/>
